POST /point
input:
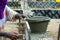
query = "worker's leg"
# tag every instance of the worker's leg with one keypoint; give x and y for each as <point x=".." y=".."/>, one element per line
<point x="2" y="23"/>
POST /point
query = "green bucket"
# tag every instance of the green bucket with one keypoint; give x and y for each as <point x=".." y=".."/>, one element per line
<point x="38" y="24"/>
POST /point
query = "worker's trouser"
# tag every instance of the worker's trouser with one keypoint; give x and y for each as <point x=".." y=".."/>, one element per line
<point x="2" y="22"/>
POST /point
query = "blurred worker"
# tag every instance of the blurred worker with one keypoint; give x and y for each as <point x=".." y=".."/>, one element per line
<point x="7" y="13"/>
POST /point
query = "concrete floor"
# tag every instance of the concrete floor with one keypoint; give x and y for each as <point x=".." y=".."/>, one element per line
<point x="53" y="27"/>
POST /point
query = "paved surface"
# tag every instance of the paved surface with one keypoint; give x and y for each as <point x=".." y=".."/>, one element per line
<point x="53" y="27"/>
